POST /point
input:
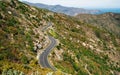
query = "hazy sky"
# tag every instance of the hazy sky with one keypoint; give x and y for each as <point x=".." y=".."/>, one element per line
<point x="81" y="3"/>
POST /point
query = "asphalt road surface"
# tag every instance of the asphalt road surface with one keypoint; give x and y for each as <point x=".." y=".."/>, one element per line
<point x="43" y="58"/>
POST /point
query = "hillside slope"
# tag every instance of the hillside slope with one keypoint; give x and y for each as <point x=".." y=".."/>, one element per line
<point x="82" y="48"/>
<point x="85" y="48"/>
<point x="20" y="37"/>
<point x="109" y="21"/>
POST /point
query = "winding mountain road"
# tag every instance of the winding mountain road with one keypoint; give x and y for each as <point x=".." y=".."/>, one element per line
<point x="43" y="58"/>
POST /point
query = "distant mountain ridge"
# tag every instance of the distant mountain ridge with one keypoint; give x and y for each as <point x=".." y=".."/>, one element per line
<point x="62" y="9"/>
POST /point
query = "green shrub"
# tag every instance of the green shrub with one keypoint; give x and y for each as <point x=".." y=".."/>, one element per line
<point x="1" y="16"/>
<point x="59" y="46"/>
<point x="12" y="22"/>
<point x="24" y="59"/>
<point x="75" y="66"/>
<point x="80" y="72"/>
<point x="2" y="5"/>
<point x="1" y="57"/>
<point x="30" y="41"/>
<point x="75" y="30"/>
<point x="97" y="33"/>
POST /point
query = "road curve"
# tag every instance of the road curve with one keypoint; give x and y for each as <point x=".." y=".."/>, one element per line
<point x="43" y="58"/>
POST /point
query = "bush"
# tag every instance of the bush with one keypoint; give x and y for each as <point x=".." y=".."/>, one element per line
<point x="30" y="41"/>
<point x="1" y="57"/>
<point x="75" y="66"/>
<point x="2" y="5"/>
<point x="75" y="30"/>
<point x="97" y="33"/>
<point x="24" y="59"/>
<point x="12" y="22"/>
<point x="1" y="16"/>
<point x="59" y="46"/>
